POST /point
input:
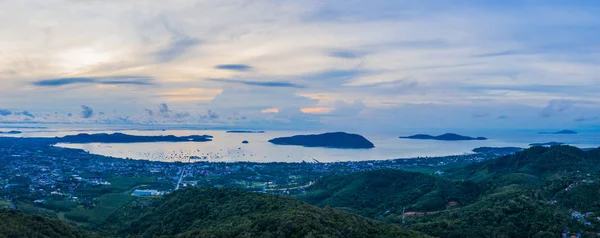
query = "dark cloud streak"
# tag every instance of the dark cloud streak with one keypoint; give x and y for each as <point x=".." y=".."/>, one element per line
<point x="109" y="80"/>
<point x="276" y="84"/>
<point x="234" y="67"/>
<point x="4" y="112"/>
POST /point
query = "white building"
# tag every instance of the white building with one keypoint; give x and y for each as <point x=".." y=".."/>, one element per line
<point x="142" y="193"/>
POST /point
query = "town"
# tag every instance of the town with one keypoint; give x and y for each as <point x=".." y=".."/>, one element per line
<point x="37" y="177"/>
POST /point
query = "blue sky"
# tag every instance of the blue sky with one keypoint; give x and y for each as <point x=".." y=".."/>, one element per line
<point x="302" y="64"/>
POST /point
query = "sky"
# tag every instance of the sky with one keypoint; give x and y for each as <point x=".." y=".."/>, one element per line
<point x="312" y="64"/>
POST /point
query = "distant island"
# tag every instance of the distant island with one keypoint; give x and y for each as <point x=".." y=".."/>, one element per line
<point x="547" y="144"/>
<point x="444" y="137"/>
<point x="245" y="131"/>
<point x="11" y="132"/>
<point x="124" y="138"/>
<point x="245" y="142"/>
<point x="563" y="132"/>
<point x="497" y="150"/>
<point x="340" y="140"/>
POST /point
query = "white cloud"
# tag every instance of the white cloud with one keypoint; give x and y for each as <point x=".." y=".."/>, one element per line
<point x="347" y="58"/>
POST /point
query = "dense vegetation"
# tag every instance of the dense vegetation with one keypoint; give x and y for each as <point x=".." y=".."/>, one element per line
<point x="340" y="140"/>
<point x="16" y="224"/>
<point x="538" y="192"/>
<point x="213" y="212"/>
<point x="532" y="193"/>
<point x="543" y="163"/>
<point x="374" y="193"/>
<point x="506" y="212"/>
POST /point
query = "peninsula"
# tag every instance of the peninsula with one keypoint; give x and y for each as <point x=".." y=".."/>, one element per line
<point x="444" y="137"/>
<point x="563" y="132"/>
<point x="497" y="150"/>
<point x="11" y="132"/>
<point x="547" y="144"/>
<point x="339" y="140"/>
<point x="124" y="138"/>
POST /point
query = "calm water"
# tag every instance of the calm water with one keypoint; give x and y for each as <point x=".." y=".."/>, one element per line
<point x="227" y="147"/>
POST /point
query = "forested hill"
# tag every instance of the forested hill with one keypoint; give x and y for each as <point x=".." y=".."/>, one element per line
<point x="16" y="224"/>
<point x="374" y="193"/>
<point x="213" y="212"/>
<point x="535" y="193"/>
<point x="539" y="161"/>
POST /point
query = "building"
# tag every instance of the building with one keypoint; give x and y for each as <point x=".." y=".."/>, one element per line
<point x="143" y="193"/>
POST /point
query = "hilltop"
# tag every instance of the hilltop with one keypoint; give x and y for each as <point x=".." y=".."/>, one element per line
<point x="374" y="193"/>
<point x="497" y="150"/>
<point x="444" y="137"/>
<point x="17" y="224"/>
<point x="340" y="140"/>
<point x="214" y="212"/>
<point x="538" y="161"/>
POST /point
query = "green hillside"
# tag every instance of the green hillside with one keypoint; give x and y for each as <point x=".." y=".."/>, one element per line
<point x="539" y="162"/>
<point x="16" y="224"/>
<point x="212" y="212"/>
<point x="375" y="193"/>
<point x="507" y="212"/>
<point x="529" y="194"/>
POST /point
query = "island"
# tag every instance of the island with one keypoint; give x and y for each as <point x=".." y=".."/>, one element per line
<point x="11" y="132"/>
<point x="547" y="144"/>
<point x="248" y="132"/>
<point x="444" y="137"/>
<point x="338" y="140"/>
<point x="245" y="142"/>
<point x="563" y="132"/>
<point x="124" y="138"/>
<point x="497" y="150"/>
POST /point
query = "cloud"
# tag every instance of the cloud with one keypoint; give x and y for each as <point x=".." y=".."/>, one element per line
<point x="500" y="53"/>
<point x="4" y="112"/>
<point x="404" y="54"/>
<point x="276" y="84"/>
<point x="211" y="115"/>
<point x="179" y="45"/>
<point x="190" y="94"/>
<point x="28" y="114"/>
<point x="234" y="67"/>
<point x="236" y="117"/>
<point x="270" y="110"/>
<point x="583" y="118"/>
<point x="345" y="109"/>
<point x="481" y="115"/>
<point x="86" y="112"/>
<point x="316" y="110"/>
<point x="556" y="107"/>
<point x="346" y="54"/>
<point x="164" y="110"/>
<point x="176" y="49"/>
<point x="149" y="112"/>
<point x="181" y="115"/>
<point x="108" y="80"/>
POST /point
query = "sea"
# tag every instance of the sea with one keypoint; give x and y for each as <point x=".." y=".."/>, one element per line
<point x="228" y="147"/>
